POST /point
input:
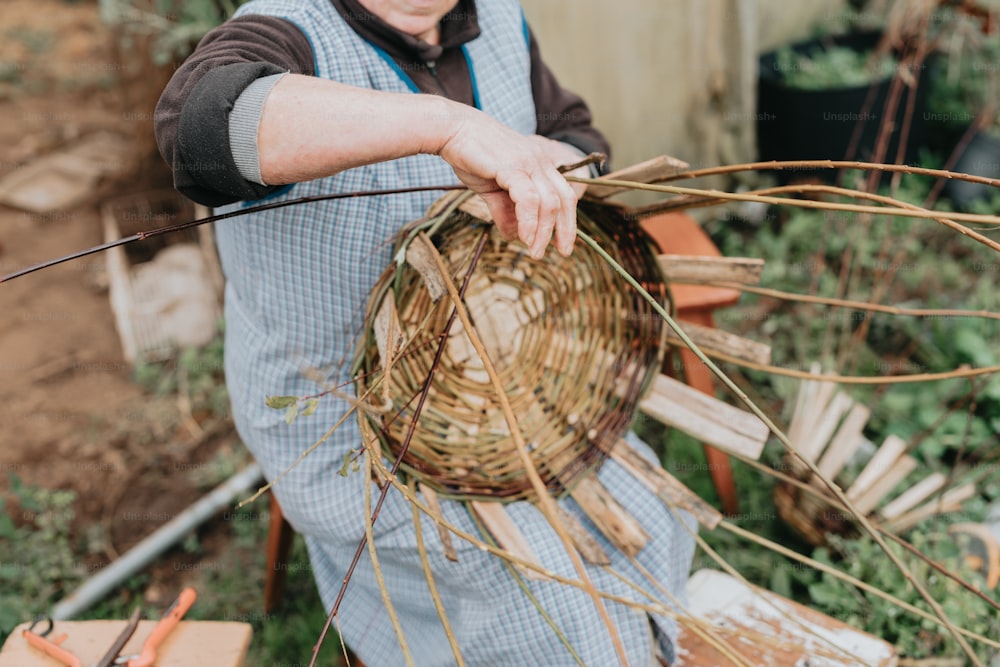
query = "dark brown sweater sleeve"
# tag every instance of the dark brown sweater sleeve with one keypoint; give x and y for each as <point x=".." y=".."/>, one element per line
<point x="192" y="116"/>
<point x="562" y="115"/>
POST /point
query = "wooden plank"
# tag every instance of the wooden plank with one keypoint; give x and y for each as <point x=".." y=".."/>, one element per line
<point x="913" y="496"/>
<point x="590" y="549"/>
<point x="216" y="643"/>
<point x="431" y="499"/>
<point x="667" y="487"/>
<point x="950" y="501"/>
<point x="508" y="536"/>
<point x="651" y="171"/>
<point x="477" y="208"/>
<point x="705" y="418"/>
<point x="710" y="269"/>
<point x="767" y="630"/>
<point x="814" y="440"/>
<point x="420" y="255"/>
<point x="884" y="460"/>
<point x="711" y="339"/>
<point x="846" y="442"/>
<point x="803" y="400"/>
<point x="868" y="500"/>
<point x="819" y="405"/>
<point x="614" y="522"/>
<point x="386" y="321"/>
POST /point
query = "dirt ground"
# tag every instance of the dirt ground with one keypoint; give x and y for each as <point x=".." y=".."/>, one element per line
<point x="70" y="414"/>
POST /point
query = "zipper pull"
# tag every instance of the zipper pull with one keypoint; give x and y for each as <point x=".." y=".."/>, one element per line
<point x="432" y="68"/>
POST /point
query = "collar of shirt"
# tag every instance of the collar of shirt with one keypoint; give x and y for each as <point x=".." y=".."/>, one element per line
<point x="458" y="26"/>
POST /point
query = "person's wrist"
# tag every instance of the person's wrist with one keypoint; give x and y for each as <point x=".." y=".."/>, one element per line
<point x="439" y="120"/>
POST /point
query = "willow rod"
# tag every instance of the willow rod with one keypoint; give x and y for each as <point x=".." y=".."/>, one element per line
<point x="809" y="203"/>
<point x="836" y="504"/>
<point x="660" y="609"/>
<point x="850" y="303"/>
<point x="836" y="490"/>
<point x="545" y="502"/>
<point x="399" y="459"/>
<point x="782" y="165"/>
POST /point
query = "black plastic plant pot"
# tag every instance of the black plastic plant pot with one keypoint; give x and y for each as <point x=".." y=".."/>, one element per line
<point x="980" y="158"/>
<point x="809" y="124"/>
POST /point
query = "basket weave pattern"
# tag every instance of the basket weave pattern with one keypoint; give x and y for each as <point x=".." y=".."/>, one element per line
<point x="573" y="344"/>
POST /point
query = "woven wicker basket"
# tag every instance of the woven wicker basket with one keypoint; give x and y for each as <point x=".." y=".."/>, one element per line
<point x="574" y="345"/>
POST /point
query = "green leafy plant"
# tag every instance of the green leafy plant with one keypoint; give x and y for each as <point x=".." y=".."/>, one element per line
<point x="38" y="558"/>
<point x="176" y="25"/>
<point x="808" y="251"/>
<point x="832" y="67"/>
<point x="966" y="79"/>
<point x="198" y="372"/>
<point x="913" y="637"/>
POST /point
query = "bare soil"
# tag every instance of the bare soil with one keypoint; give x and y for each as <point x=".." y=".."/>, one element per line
<point x="70" y="415"/>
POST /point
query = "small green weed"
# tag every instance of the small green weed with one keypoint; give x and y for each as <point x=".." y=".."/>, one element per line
<point x="39" y="560"/>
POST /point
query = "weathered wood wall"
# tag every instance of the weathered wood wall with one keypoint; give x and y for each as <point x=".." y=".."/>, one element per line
<point x="669" y="76"/>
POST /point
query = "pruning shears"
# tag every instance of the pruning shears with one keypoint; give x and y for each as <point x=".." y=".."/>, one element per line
<point x="53" y="649"/>
<point x="145" y="658"/>
<point x="171" y="617"/>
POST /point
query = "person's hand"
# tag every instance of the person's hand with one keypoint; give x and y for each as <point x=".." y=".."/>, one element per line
<point x="518" y="178"/>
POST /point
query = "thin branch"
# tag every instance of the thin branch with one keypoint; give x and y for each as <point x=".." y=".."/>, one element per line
<point x="545" y="501"/>
<point x="431" y="585"/>
<point x="783" y="438"/>
<point x="780" y="165"/>
<point x="141" y="236"/>
<point x="854" y="581"/>
<point x="390" y="609"/>
<point x="402" y="452"/>
<point x="809" y="203"/>
<point x="660" y="608"/>
<point x="850" y="303"/>
<point x="943" y="570"/>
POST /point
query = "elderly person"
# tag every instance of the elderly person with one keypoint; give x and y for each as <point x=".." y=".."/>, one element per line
<point x="292" y="98"/>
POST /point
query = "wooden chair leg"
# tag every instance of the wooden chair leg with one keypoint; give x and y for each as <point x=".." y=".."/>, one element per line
<point x="279" y="545"/>
<point x="697" y="376"/>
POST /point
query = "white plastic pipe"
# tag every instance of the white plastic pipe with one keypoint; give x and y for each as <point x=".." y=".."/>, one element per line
<point x="142" y="554"/>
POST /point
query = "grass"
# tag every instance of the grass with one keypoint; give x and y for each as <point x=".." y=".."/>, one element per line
<point x="229" y="580"/>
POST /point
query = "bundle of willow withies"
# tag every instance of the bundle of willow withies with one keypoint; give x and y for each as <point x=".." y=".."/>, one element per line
<point x="574" y="345"/>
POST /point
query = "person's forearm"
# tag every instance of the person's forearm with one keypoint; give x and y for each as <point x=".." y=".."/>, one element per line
<point x="311" y="128"/>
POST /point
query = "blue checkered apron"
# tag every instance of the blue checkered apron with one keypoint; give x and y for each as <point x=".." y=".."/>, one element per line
<point x="298" y="280"/>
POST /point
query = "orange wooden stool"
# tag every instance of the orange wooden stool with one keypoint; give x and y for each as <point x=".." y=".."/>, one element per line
<point x="680" y="234"/>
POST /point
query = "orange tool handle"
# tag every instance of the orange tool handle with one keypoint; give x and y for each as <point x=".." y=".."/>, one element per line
<point x="169" y="621"/>
<point x="51" y="649"/>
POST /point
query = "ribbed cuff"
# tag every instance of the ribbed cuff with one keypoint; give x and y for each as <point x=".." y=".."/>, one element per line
<point x="244" y="123"/>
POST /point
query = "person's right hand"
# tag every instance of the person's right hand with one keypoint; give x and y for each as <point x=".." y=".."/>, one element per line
<point x="518" y="178"/>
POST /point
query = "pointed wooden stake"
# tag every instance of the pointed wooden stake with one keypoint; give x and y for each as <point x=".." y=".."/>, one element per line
<point x="696" y="270"/>
<point x="614" y="522"/>
<point x="705" y="418"/>
<point x="584" y="542"/>
<point x="914" y="495"/>
<point x="667" y="487"/>
<point x="506" y="533"/>
<point x="431" y="498"/>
